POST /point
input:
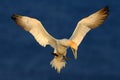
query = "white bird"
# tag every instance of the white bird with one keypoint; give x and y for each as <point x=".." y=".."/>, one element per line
<point x="60" y="46"/>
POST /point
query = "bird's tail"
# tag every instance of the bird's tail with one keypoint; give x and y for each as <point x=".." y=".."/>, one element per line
<point x="58" y="63"/>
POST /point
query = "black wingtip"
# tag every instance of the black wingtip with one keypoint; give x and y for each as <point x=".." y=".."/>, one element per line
<point x="14" y="16"/>
<point x="107" y="8"/>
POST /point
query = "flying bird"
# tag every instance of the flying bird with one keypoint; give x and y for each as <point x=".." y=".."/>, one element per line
<point x="60" y="46"/>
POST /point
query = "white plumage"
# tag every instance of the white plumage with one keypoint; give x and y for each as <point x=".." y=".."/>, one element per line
<point x="35" y="27"/>
<point x="40" y="38"/>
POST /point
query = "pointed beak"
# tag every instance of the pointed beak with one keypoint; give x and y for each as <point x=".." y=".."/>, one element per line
<point x="74" y="53"/>
<point x="74" y="48"/>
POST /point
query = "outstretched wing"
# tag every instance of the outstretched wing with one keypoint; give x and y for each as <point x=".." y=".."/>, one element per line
<point x="88" y="23"/>
<point x="35" y="27"/>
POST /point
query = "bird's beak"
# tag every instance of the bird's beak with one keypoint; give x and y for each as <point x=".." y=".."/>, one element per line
<point x="74" y="48"/>
<point x="74" y="53"/>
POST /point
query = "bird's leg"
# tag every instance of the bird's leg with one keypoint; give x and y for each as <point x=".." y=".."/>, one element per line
<point x="54" y="54"/>
<point x="65" y="58"/>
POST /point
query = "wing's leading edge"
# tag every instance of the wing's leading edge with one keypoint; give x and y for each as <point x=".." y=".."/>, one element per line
<point x="35" y="27"/>
<point x="88" y="23"/>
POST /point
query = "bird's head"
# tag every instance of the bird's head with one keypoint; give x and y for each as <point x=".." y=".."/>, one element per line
<point x="25" y="22"/>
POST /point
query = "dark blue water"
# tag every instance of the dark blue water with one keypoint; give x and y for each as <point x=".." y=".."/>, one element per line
<point x="21" y="57"/>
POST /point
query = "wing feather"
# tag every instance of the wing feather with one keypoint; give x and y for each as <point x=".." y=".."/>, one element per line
<point x="88" y="23"/>
<point x="35" y="27"/>
<point x="42" y="36"/>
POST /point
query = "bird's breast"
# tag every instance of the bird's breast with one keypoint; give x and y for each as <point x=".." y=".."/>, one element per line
<point x="61" y="50"/>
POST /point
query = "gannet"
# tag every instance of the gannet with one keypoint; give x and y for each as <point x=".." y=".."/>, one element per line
<point x="60" y="46"/>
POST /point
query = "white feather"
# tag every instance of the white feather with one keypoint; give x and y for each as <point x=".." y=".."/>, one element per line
<point x="35" y="27"/>
<point x="88" y="23"/>
<point x="80" y="33"/>
<point x="42" y="40"/>
<point x="58" y="63"/>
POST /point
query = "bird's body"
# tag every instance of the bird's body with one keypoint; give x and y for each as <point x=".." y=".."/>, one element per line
<point x="60" y="53"/>
<point x="60" y="46"/>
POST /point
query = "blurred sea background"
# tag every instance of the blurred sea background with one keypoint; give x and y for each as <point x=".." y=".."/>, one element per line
<point x="22" y="58"/>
